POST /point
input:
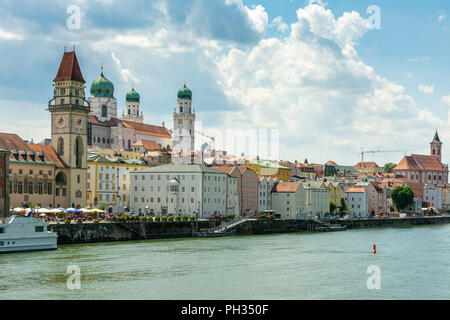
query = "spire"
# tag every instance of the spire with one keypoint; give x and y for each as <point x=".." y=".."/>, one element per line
<point x="436" y="137"/>
<point x="69" y="69"/>
<point x="101" y="68"/>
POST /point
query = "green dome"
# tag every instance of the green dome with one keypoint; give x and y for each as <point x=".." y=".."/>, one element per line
<point x="185" y="93"/>
<point x="133" y="96"/>
<point x="102" y="87"/>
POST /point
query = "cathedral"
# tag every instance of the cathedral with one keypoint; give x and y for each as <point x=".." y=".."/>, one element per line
<point x="107" y="130"/>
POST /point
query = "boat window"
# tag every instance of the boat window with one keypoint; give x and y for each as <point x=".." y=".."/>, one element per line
<point x="2" y="243"/>
<point x="2" y="230"/>
<point x="39" y="229"/>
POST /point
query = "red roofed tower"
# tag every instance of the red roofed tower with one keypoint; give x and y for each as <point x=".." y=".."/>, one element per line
<point x="69" y="127"/>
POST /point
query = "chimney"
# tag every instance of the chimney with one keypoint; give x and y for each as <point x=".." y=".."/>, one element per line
<point x="163" y="124"/>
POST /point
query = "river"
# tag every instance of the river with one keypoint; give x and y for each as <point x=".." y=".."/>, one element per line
<point x="413" y="263"/>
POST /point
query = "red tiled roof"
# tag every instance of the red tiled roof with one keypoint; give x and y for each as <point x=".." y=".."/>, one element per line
<point x="69" y="69"/>
<point x="428" y="162"/>
<point x="366" y="166"/>
<point x="147" y="129"/>
<point x="224" y="169"/>
<point x="356" y="190"/>
<point x="420" y="162"/>
<point x="148" y="145"/>
<point x="50" y="154"/>
<point x="12" y="142"/>
<point x="110" y="123"/>
<point x="407" y="163"/>
<point x="287" y="187"/>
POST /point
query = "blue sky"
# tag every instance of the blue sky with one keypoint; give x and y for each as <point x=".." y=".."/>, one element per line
<point x="310" y="69"/>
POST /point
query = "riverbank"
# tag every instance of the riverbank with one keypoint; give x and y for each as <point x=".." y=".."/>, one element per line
<point x="121" y="231"/>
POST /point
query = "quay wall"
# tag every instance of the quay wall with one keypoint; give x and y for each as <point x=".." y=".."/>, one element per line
<point x="120" y="231"/>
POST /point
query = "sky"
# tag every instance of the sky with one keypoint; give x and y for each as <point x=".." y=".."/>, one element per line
<point x="322" y="74"/>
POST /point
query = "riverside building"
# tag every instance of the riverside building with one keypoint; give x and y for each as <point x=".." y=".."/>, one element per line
<point x="181" y="190"/>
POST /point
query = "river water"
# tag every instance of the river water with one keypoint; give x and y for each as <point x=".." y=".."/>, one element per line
<point x="413" y="262"/>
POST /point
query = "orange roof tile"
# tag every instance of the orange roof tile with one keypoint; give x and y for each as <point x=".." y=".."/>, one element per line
<point x="148" y="145"/>
<point x="147" y="129"/>
<point x="356" y="190"/>
<point x="287" y="187"/>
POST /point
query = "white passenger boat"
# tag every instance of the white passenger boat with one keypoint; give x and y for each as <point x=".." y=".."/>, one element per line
<point x="22" y="233"/>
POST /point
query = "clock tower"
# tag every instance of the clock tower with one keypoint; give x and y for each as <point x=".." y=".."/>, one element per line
<point x="69" y="117"/>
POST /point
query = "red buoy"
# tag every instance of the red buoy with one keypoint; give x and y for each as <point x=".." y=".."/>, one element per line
<point x="374" y="249"/>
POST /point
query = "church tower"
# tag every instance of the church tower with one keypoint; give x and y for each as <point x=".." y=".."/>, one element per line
<point x="133" y="107"/>
<point x="69" y="118"/>
<point x="436" y="147"/>
<point x="184" y="122"/>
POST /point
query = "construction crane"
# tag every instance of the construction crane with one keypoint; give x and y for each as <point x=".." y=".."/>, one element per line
<point x="213" y="140"/>
<point x="380" y="151"/>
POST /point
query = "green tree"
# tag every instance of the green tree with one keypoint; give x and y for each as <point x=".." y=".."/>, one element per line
<point x="402" y="197"/>
<point x="389" y="167"/>
<point x="332" y="207"/>
<point x="306" y="161"/>
<point x="343" y="205"/>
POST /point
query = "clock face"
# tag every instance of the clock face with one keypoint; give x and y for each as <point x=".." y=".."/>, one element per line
<point x="60" y="122"/>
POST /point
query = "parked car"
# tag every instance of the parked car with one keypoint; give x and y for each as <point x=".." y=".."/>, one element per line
<point x="380" y="216"/>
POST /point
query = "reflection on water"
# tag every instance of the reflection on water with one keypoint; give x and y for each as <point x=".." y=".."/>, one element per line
<point x="414" y="263"/>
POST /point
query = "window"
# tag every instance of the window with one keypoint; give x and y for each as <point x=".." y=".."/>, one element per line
<point x="104" y="111"/>
<point x="39" y="229"/>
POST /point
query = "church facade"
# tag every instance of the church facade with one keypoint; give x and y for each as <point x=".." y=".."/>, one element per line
<point x="426" y="169"/>
<point x="107" y="130"/>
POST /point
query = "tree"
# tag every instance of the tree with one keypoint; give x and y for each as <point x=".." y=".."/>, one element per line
<point x="332" y="207"/>
<point x="389" y="167"/>
<point x="402" y="196"/>
<point x="343" y="205"/>
<point x="306" y="161"/>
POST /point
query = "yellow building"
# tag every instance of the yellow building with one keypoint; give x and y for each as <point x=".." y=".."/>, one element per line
<point x="269" y="169"/>
<point x="109" y="182"/>
<point x="336" y="192"/>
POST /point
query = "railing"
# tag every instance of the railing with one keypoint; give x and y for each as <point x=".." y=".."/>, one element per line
<point x="225" y="227"/>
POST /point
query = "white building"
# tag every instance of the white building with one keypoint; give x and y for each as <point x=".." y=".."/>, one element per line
<point x="357" y="202"/>
<point x="265" y="187"/>
<point x="317" y="201"/>
<point x="288" y="200"/>
<point x="182" y="189"/>
<point x="433" y="196"/>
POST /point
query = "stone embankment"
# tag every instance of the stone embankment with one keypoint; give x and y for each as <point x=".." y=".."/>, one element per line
<point x="121" y="231"/>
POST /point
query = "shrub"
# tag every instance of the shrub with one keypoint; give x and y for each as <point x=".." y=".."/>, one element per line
<point x="79" y="221"/>
<point x="164" y="218"/>
<point x="178" y="218"/>
<point x="185" y="218"/>
<point x="191" y="218"/>
<point x="157" y="219"/>
<point x="170" y="218"/>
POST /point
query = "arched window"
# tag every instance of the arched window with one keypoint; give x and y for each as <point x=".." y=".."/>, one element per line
<point x="61" y="179"/>
<point x="78" y="194"/>
<point x="60" y="146"/>
<point x="129" y="144"/>
<point x="129" y="111"/>
<point x="78" y="152"/>
<point x="104" y="111"/>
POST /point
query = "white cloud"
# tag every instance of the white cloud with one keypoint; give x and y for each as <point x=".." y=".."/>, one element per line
<point x="7" y="35"/>
<point x="426" y="89"/>
<point x="279" y="24"/>
<point x="313" y="86"/>
<point x="441" y="17"/>
<point x="125" y="73"/>
<point x="446" y="99"/>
